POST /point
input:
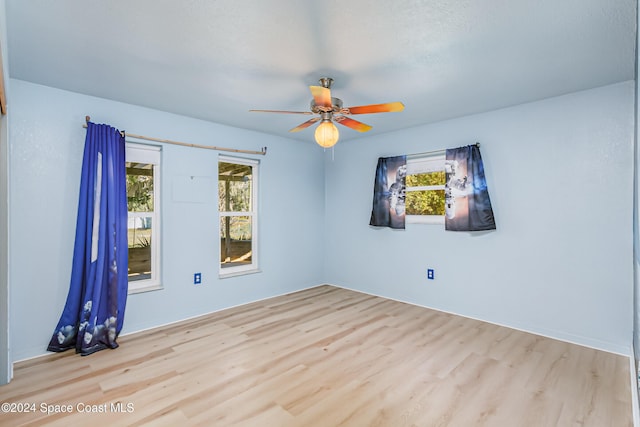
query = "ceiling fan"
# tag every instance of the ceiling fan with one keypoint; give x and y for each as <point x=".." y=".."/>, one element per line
<point x="330" y="110"/>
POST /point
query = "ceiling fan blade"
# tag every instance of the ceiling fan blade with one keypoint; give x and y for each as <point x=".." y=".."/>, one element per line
<point x="305" y="124"/>
<point x="322" y="97"/>
<point x="389" y="107"/>
<point x="353" y="124"/>
<point x="280" y="111"/>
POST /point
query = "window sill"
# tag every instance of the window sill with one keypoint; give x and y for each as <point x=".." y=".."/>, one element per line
<point x="225" y="275"/>
<point x="140" y="290"/>
<point x="425" y="219"/>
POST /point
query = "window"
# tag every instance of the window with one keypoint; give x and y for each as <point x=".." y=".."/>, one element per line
<point x="425" y="193"/>
<point x="143" y="200"/>
<point x="237" y="204"/>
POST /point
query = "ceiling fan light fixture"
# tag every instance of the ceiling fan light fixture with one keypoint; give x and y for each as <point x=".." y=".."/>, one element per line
<point x="327" y="134"/>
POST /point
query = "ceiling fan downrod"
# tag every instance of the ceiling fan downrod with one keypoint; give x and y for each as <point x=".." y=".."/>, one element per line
<point x="326" y="82"/>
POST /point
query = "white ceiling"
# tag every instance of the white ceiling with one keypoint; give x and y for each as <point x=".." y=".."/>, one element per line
<point x="216" y="59"/>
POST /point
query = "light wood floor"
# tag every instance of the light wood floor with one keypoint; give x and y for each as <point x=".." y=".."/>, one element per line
<point x="329" y="357"/>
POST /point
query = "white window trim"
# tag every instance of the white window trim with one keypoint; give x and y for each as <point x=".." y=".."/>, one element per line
<point x="143" y="153"/>
<point x="254" y="266"/>
<point x="425" y="163"/>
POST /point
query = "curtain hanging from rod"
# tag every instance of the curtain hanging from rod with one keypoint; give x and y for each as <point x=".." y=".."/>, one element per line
<point x="93" y="314"/>
<point x="389" y="193"/>
<point x="467" y="202"/>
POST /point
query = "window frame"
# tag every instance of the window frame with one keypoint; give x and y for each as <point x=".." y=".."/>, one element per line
<point x="421" y="163"/>
<point x="253" y="267"/>
<point x="150" y="154"/>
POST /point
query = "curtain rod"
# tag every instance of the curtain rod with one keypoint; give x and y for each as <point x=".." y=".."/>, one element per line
<point x="430" y="153"/>
<point x="185" y="144"/>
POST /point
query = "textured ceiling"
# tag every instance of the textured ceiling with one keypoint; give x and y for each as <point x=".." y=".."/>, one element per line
<point x="215" y="60"/>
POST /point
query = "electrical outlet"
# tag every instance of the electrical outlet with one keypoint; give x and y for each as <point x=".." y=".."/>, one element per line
<point x="431" y="274"/>
<point x="197" y="278"/>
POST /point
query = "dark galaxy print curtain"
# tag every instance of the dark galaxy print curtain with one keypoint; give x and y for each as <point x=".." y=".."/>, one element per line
<point x="389" y="193"/>
<point x="467" y="203"/>
<point x="93" y="314"/>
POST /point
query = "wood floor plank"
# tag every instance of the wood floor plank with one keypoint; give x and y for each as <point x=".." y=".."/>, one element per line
<point x="328" y="357"/>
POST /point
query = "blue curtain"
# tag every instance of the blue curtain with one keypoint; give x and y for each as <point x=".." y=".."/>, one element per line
<point x="93" y="315"/>
<point x="467" y="203"/>
<point x="389" y="193"/>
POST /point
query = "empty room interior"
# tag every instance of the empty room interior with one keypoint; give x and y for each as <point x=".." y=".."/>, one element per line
<point x="285" y="213"/>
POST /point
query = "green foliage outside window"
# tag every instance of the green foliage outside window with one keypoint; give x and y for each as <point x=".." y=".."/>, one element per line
<point x="139" y="187"/>
<point x="424" y="179"/>
<point x="425" y="202"/>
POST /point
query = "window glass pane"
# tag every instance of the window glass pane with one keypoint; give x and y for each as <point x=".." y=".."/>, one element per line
<point x="234" y="196"/>
<point x="235" y="240"/>
<point x="139" y="187"/>
<point x="428" y="202"/>
<point x="139" y="236"/>
<point x="427" y="178"/>
<point x="234" y="187"/>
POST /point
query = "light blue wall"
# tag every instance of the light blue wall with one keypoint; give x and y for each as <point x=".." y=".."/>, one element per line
<point x="5" y="363"/>
<point x="560" y="177"/>
<point x="560" y="172"/>
<point x="47" y="141"/>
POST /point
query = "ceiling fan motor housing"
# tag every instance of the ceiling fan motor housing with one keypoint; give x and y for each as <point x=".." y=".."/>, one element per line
<point x="336" y="106"/>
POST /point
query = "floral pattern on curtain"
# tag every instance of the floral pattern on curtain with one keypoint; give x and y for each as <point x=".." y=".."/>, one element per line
<point x="467" y="203"/>
<point x="93" y="314"/>
<point x="389" y="193"/>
